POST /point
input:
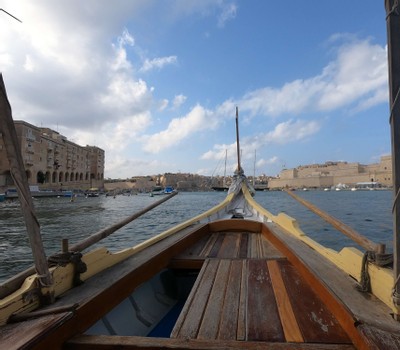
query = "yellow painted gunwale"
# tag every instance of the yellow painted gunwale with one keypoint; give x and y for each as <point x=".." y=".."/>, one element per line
<point x="349" y="259"/>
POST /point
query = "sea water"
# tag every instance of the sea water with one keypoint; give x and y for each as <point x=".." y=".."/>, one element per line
<point x="367" y="212"/>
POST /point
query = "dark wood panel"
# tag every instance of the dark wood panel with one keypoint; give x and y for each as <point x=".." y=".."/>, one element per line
<point x="244" y="245"/>
<point x="317" y="323"/>
<point x="230" y="246"/>
<point x="216" y="247"/>
<point x="263" y="322"/>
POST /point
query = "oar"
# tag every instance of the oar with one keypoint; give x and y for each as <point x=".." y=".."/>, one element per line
<point x="98" y="236"/>
<point x="15" y="282"/>
<point x="348" y="231"/>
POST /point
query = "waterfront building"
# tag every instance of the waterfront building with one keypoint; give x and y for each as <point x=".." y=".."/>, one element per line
<point x="52" y="161"/>
<point x="334" y="173"/>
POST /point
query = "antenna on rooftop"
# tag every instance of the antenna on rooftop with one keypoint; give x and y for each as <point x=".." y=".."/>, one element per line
<point x="11" y="15"/>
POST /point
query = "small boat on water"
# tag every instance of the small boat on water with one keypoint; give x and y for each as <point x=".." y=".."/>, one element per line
<point x="168" y="190"/>
<point x="92" y="192"/>
<point x="234" y="277"/>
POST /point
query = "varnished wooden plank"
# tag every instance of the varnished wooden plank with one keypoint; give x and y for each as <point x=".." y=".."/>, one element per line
<point x="244" y="245"/>
<point x="194" y="252"/>
<point x="189" y="320"/>
<point x="316" y="322"/>
<point x="268" y="250"/>
<point x="253" y="252"/>
<point x="209" y="245"/>
<point x="102" y="342"/>
<point x="217" y="245"/>
<point x="241" y="323"/>
<point x="230" y="246"/>
<point x="230" y="311"/>
<point x="289" y="323"/>
<point x="263" y="322"/>
<point x="212" y="313"/>
<point x="258" y="245"/>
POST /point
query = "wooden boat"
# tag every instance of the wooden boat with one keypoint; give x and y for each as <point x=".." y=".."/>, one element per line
<point x="234" y="277"/>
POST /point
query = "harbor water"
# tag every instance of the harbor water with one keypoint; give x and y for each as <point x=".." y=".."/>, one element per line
<point x="367" y="212"/>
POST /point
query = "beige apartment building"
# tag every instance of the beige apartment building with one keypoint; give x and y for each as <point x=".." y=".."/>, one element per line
<point x="52" y="161"/>
<point x="334" y="173"/>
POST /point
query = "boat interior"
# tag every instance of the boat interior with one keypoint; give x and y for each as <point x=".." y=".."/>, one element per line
<point x="214" y="285"/>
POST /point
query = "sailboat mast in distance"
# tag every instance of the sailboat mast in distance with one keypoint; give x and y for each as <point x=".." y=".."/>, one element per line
<point x="237" y="138"/>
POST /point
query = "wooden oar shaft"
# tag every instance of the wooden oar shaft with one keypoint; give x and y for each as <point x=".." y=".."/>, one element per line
<point x="96" y="237"/>
<point x="18" y="174"/>
<point x="15" y="282"/>
<point x="340" y="226"/>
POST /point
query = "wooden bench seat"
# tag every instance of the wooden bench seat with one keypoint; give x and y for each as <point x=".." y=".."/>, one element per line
<point x="231" y="245"/>
<point x="255" y="300"/>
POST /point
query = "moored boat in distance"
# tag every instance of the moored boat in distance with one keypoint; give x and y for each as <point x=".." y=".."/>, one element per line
<point x="35" y="192"/>
<point x="168" y="190"/>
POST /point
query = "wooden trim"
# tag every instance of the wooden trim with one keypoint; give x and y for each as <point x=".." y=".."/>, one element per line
<point x="88" y="342"/>
<point x="235" y="225"/>
<point x="289" y="323"/>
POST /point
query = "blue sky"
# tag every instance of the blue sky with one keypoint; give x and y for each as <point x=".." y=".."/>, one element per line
<point x="155" y="83"/>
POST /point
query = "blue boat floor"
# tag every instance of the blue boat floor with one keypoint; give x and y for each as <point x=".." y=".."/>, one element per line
<point x="165" y="326"/>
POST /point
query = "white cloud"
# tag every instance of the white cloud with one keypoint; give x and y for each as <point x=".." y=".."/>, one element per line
<point x="163" y="104"/>
<point x="178" y="101"/>
<point x="358" y="75"/>
<point x="158" y="63"/>
<point x="283" y="133"/>
<point x="228" y="13"/>
<point x="291" y="131"/>
<point x="196" y="120"/>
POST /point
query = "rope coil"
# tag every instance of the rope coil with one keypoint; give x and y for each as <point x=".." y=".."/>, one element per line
<point x="62" y="259"/>
<point x="373" y="258"/>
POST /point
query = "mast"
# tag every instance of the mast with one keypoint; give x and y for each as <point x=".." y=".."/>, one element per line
<point x="393" y="38"/>
<point x="224" y="181"/>
<point x="239" y="168"/>
<point x="254" y="168"/>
